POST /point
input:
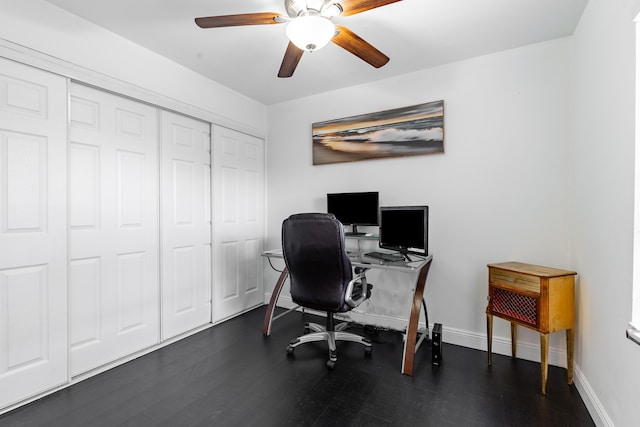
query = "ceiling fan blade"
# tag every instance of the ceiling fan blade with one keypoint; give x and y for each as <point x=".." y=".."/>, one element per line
<point x="236" y="20"/>
<point x="290" y="61"/>
<point x="350" y="41"/>
<point x="351" y="7"/>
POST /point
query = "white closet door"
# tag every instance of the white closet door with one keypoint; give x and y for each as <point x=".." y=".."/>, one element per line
<point x="238" y="222"/>
<point x="186" y="224"/>
<point x="113" y="219"/>
<point x="33" y="232"/>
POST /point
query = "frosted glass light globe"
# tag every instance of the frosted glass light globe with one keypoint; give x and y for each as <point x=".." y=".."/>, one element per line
<point x="310" y="32"/>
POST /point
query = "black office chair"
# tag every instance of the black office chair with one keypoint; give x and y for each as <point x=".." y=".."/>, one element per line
<point x="321" y="277"/>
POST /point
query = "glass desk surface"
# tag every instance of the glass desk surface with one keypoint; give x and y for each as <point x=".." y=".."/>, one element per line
<point x="358" y="259"/>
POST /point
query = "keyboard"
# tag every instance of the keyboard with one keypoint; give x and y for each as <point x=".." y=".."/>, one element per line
<point x="385" y="256"/>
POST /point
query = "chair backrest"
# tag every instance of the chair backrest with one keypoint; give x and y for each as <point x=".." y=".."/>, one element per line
<point x="319" y="268"/>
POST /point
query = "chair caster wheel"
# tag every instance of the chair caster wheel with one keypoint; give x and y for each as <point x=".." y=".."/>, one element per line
<point x="367" y="352"/>
<point x="331" y="364"/>
<point x="290" y="350"/>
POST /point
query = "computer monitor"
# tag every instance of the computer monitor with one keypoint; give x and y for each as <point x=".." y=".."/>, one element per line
<point x="405" y="229"/>
<point x="354" y="209"/>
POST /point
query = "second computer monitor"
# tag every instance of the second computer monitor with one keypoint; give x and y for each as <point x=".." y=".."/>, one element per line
<point x="405" y="229"/>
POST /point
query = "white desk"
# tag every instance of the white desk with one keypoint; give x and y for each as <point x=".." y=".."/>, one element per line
<point x="420" y="267"/>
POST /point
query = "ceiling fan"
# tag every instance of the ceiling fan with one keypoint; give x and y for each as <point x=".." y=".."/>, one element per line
<point x="309" y="28"/>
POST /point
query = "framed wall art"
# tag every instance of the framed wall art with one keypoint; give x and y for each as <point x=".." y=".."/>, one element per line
<point x="408" y="131"/>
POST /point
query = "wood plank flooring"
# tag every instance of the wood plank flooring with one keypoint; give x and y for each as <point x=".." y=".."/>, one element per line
<point x="230" y="375"/>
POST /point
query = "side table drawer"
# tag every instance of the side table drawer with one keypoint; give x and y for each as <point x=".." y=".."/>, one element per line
<point x="516" y="306"/>
<point x="525" y="282"/>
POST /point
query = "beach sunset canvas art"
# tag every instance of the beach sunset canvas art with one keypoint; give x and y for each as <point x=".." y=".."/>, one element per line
<point x="408" y="131"/>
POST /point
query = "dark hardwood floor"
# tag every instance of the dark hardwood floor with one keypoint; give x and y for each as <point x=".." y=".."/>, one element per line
<point x="230" y="375"/>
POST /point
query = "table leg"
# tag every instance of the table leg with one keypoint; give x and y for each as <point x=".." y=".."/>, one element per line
<point x="514" y="336"/>
<point x="570" y="356"/>
<point x="489" y="336"/>
<point x="266" y="327"/>
<point x="414" y="317"/>
<point x="544" y="360"/>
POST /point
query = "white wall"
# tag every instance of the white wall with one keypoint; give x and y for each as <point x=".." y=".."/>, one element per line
<point x="45" y="28"/>
<point x="602" y="206"/>
<point x="498" y="193"/>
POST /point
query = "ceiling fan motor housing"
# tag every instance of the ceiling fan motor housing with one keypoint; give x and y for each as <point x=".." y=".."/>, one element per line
<point x="325" y="8"/>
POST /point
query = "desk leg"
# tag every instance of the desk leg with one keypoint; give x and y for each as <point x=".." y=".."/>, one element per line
<point x="570" y="356"/>
<point x="266" y="327"/>
<point x="412" y="328"/>
<point x="544" y="360"/>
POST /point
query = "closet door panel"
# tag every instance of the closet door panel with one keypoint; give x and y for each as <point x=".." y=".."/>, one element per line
<point x="238" y="222"/>
<point x="84" y="288"/>
<point x="186" y="224"/>
<point x="33" y="238"/>
<point x="113" y="215"/>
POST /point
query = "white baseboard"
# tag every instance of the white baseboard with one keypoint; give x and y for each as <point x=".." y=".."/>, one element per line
<point x="591" y="401"/>
<point x="502" y="345"/>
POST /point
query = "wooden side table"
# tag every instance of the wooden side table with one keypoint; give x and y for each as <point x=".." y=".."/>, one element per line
<point x="538" y="298"/>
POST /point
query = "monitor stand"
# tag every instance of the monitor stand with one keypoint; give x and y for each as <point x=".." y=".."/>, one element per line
<point x="354" y="231"/>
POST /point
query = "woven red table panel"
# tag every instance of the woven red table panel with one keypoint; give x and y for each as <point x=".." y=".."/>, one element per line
<point x="516" y="306"/>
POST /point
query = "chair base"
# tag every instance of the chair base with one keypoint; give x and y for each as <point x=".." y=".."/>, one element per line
<point x="332" y="335"/>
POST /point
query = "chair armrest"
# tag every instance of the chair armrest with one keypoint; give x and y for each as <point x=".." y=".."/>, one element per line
<point x="359" y="280"/>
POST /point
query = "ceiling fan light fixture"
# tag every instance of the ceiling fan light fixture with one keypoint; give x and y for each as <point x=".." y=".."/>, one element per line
<point x="310" y="32"/>
<point x="316" y="5"/>
<point x="295" y="7"/>
<point x="331" y="10"/>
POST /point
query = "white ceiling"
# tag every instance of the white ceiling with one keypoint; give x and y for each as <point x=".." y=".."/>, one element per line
<point x="415" y="34"/>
